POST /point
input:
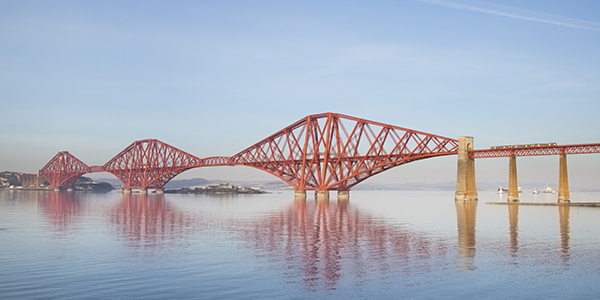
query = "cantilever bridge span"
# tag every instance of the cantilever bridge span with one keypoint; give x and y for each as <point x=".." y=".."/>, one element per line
<point x="320" y="152"/>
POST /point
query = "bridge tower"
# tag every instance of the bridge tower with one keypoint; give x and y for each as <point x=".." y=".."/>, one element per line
<point x="63" y="170"/>
<point x="513" y="185"/>
<point x="466" y="188"/>
<point x="563" y="180"/>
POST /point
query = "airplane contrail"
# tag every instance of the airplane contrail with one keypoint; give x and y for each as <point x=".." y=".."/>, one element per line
<point x="515" y="13"/>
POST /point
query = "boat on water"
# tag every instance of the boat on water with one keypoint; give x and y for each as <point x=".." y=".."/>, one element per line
<point x="548" y="190"/>
<point x="501" y="190"/>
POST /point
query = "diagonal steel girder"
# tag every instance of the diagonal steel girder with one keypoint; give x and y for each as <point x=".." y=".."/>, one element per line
<point x="334" y="151"/>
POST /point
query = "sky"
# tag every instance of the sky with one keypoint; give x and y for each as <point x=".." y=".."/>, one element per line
<point x="214" y="77"/>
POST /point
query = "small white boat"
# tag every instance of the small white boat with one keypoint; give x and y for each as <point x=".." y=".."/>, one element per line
<point x="535" y="191"/>
<point x="548" y="190"/>
<point x="501" y="190"/>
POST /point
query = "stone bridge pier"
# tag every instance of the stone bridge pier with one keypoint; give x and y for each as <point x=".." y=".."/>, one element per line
<point x="466" y="188"/>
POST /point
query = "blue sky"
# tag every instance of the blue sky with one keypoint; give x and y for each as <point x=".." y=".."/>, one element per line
<point x="214" y="77"/>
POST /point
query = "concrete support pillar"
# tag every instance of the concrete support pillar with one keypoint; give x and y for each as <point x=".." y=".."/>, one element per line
<point x="563" y="181"/>
<point x="300" y="194"/>
<point x="466" y="187"/>
<point x="126" y="190"/>
<point x="56" y="189"/>
<point x="159" y="191"/>
<point x="343" y="195"/>
<point x="513" y="185"/>
<point x="143" y="191"/>
<point x="322" y="195"/>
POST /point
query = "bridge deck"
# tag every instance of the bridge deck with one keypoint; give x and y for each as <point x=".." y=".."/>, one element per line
<point x="536" y="151"/>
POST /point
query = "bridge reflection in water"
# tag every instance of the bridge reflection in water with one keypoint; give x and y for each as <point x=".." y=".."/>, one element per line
<point x="465" y="216"/>
<point x="61" y="209"/>
<point x="149" y="220"/>
<point x="317" y="239"/>
<point x="563" y="217"/>
<point x="564" y="230"/>
<point x="320" y="242"/>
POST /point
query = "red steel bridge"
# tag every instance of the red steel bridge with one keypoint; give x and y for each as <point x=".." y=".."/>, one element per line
<point x="321" y="152"/>
<point x="325" y="151"/>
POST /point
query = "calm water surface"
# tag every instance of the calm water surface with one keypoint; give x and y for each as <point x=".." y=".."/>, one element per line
<point x="379" y="245"/>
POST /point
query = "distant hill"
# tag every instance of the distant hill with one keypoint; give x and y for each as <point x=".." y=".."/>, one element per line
<point x="186" y="183"/>
<point x="407" y="186"/>
<point x="113" y="181"/>
<point x="173" y="184"/>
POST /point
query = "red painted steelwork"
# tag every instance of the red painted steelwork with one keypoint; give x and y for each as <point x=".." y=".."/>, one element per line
<point x="322" y="152"/>
<point x="63" y="170"/>
<point x="536" y="151"/>
<point x="150" y="164"/>
<point x="96" y="169"/>
<point x="215" y="161"/>
<point x="334" y="151"/>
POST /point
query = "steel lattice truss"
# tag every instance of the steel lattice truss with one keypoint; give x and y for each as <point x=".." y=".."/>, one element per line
<point x="150" y="164"/>
<point x="333" y="151"/>
<point x="536" y="151"/>
<point x="63" y="170"/>
<point x="215" y="161"/>
<point x="322" y="152"/>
